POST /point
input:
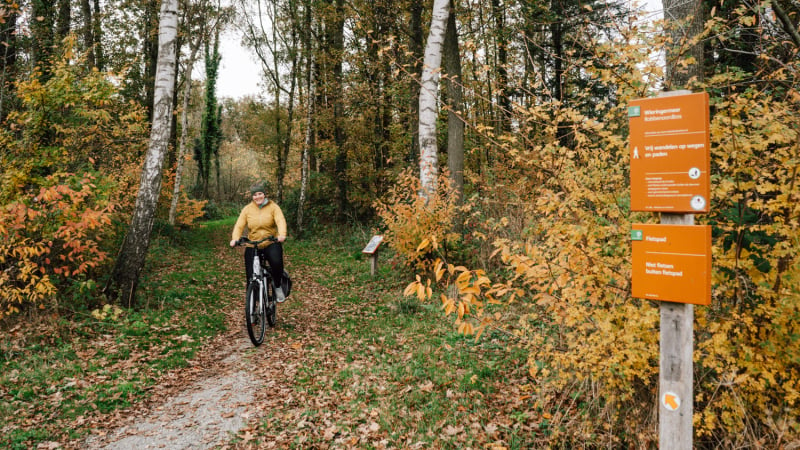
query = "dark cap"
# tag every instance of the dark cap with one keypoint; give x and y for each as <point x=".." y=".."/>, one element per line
<point x="258" y="187"/>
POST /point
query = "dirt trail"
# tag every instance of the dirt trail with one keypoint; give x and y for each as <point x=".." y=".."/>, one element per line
<point x="231" y="385"/>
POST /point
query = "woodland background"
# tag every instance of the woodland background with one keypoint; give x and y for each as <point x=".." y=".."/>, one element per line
<point x="526" y="230"/>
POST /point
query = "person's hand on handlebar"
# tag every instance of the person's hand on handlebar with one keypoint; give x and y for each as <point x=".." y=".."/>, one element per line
<point x="233" y="243"/>
<point x="281" y="238"/>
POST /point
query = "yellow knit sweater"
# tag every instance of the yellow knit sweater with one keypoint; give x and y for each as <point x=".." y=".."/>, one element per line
<point x="260" y="222"/>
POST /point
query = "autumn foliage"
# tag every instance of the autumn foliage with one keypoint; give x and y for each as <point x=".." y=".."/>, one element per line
<point x="416" y="226"/>
<point x="69" y="159"/>
<point x="559" y="270"/>
<point x="52" y="242"/>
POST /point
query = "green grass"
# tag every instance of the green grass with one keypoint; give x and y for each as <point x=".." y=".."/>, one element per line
<point x="72" y="366"/>
<point x="383" y="360"/>
<point x="396" y="362"/>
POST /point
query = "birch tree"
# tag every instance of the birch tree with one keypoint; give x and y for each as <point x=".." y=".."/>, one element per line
<point x="308" y="143"/>
<point x="428" y="153"/>
<point x="125" y="276"/>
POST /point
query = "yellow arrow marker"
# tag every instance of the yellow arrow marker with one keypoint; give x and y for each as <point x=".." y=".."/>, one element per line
<point x="671" y="401"/>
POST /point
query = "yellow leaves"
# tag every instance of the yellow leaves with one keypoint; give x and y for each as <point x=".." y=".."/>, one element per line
<point x="747" y="21"/>
<point x="422" y="290"/>
<point x="112" y="312"/>
<point x="465" y="328"/>
<point x="439" y="270"/>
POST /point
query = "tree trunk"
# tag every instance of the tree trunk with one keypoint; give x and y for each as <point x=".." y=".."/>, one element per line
<point x="503" y="100"/>
<point x="684" y="22"/>
<point x="455" y="95"/>
<point x="151" y="49"/>
<point x="187" y="93"/>
<point x="429" y="155"/>
<point x="8" y="61"/>
<point x="97" y="35"/>
<point x="125" y="276"/>
<point x="64" y="22"/>
<point x="310" y="98"/>
<point x="287" y="143"/>
<point x="88" y="33"/>
<point x="42" y="35"/>
<point x="340" y="167"/>
<point x="416" y="43"/>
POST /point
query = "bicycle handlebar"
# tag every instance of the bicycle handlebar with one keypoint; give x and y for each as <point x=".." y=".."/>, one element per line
<point x="246" y="241"/>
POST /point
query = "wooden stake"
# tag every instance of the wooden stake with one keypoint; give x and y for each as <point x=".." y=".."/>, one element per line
<point x="373" y="263"/>
<point x="676" y="376"/>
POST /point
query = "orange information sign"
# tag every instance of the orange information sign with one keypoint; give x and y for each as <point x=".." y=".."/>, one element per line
<point x="670" y="153"/>
<point x="672" y="263"/>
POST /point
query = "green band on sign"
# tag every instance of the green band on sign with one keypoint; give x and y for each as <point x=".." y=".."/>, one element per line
<point x="634" y="111"/>
<point x="637" y="235"/>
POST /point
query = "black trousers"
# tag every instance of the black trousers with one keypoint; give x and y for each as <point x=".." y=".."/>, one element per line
<point x="272" y="255"/>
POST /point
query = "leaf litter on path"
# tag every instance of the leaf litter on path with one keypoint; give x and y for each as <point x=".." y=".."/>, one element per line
<point x="229" y="386"/>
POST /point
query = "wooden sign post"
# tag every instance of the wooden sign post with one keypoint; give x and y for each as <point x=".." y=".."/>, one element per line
<point x="372" y="250"/>
<point x="670" y="165"/>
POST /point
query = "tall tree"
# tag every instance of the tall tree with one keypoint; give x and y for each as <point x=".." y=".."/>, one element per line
<point x="43" y="35"/>
<point x="201" y="20"/>
<point x="97" y="37"/>
<point x="684" y="54"/>
<point x="207" y="153"/>
<point x="273" y="31"/>
<point x="335" y="33"/>
<point x="308" y="142"/>
<point x="501" y="58"/>
<point x="8" y="55"/>
<point x="416" y="42"/>
<point x="455" y="112"/>
<point x="428" y="111"/>
<point x="125" y="276"/>
<point x="64" y="20"/>
<point x="150" y="24"/>
<point x="87" y="30"/>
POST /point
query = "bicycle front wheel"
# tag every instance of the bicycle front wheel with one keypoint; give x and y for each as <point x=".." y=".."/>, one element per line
<point x="272" y="305"/>
<point x="254" y="313"/>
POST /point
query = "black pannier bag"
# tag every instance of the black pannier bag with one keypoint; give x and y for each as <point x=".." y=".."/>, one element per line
<point x="286" y="284"/>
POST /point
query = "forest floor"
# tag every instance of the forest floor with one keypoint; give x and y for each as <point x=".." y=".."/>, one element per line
<point x="230" y="385"/>
<point x="351" y="363"/>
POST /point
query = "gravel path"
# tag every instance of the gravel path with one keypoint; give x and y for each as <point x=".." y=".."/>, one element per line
<point x="228" y="388"/>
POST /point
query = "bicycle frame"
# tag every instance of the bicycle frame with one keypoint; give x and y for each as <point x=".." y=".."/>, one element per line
<point x="260" y="303"/>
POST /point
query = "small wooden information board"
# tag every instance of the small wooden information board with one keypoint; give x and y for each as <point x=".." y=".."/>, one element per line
<point x="373" y="245"/>
<point x="672" y="263"/>
<point x="372" y="250"/>
<point x="670" y="153"/>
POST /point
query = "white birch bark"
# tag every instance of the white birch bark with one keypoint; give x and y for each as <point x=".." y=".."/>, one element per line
<point x="132" y="256"/>
<point x="309" y="142"/>
<point x="428" y="110"/>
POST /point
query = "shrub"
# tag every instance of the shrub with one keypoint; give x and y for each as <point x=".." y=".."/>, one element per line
<point x="416" y="227"/>
<point x="562" y="283"/>
<point x="68" y="164"/>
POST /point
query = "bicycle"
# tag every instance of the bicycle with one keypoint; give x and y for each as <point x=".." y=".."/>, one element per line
<point x="260" y="302"/>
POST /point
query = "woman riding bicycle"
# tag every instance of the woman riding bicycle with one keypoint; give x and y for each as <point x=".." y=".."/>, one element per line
<point x="263" y="218"/>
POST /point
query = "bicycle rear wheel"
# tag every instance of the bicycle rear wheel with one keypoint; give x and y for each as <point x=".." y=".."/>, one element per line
<point x="254" y="313"/>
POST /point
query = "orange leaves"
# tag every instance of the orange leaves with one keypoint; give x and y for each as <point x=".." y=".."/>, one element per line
<point x="53" y="239"/>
